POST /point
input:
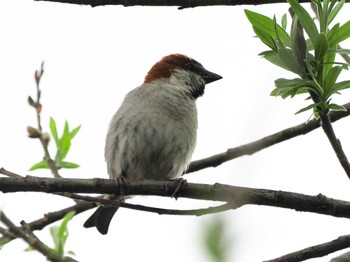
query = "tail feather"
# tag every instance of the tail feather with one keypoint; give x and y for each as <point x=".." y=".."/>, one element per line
<point x="101" y="218"/>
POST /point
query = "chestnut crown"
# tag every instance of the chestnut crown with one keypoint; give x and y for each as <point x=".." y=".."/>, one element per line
<point x="168" y="64"/>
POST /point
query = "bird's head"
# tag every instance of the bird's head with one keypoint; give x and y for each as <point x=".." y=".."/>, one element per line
<point x="183" y="71"/>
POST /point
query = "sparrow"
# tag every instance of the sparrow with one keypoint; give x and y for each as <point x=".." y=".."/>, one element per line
<point x="153" y="133"/>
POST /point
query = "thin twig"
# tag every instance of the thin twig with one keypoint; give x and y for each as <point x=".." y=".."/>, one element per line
<point x="159" y="211"/>
<point x="6" y="233"/>
<point x="8" y="173"/>
<point x="52" y="217"/>
<point x="315" y="251"/>
<point x="183" y="4"/>
<point x="326" y="122"/>
<point x="38" y="107"/>
<point x="338" y="149"/>
<point x="345" y="56"/>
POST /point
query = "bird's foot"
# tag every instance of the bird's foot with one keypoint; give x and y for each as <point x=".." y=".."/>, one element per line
<point x="180" y="184"/>
<point x="121" y="183"/>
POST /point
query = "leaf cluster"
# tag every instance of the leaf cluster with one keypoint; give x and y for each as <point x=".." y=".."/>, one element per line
<point x="59" y="235"/>
<point x="63" y="144"/>
<point x="312" y="57"/>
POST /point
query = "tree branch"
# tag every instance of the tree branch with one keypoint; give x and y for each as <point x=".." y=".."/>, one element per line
<point x="253" y="147"/>
<point x="237" y="196"/>
<point x="315" y="251"/>
<point x="181" y="3"/>
<point x="32" y="240"/>
<point x="342" y="258"/>
<point x="50" y="218"/>
<point x="38" y="132"/>
<point x="159" y="211"/>
<point x="336" y="145"/>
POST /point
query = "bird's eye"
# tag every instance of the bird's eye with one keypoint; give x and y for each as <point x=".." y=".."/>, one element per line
<point x="190" y="66"/>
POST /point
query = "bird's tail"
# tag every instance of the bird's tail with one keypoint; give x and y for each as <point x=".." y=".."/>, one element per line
<point x="101" y="218"/>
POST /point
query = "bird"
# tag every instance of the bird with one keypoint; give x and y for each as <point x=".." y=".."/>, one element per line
<point x="153" y="133"/>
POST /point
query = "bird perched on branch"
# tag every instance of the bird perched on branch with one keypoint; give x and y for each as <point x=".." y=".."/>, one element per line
<point x="153" y="133"/>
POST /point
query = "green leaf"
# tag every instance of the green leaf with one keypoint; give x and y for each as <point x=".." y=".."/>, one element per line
<point x="284" y="21"/>
<point x="74" y="132"/>
<point x="4" y="241"/>
<point x="266" y="24"/>
<point x="332" y="31"/>
<point x="55" y="238"/>
<point x="29" y="249"/>
<point x="279" y="41"/>
<point x="331" y="78"/>
<point x="340" y="86"/>
<point x="340" y="51"/>
<point x="305" y="20"/>
<point x="329" y="58"/>
<point x="335" y="11"/>
<point x="336" y="107"/>
<point x="305" y="108"/>
<point x="316" y="113"/>
<point x="65" y="141"/>
<point x="215" y="241"/>
<point x="309" y="45"/>
<point x="290" y="87"/>
<point x="288" y="58"/>
<point x="296" y="82"/>
<point x="299" y="46"/>
<point x="69" y="165"/>
<point x="274" y="58"/>
<point x="321" y="47"/>
<point x="41" y="164"/>
<point x="341" y="34"/>
<point x="53" y="129"/>
<point x="322" y="14"/>
<point x="265" y="38"/>
<point x="60" y="233"/>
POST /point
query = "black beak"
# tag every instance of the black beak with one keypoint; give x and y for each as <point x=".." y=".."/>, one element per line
<point x="209" y="76"/>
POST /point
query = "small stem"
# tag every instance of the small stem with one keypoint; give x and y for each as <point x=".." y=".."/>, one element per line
<point x="50" y="218"/>
<point x="43" y="140"/>
<point x="160" y="211"/>
<point x="344" y="56"/>
<point x="320" y="250"/>
<point x="8" y="173"/>
<point x="38" y="95"/>
<point x="328" y="129"/>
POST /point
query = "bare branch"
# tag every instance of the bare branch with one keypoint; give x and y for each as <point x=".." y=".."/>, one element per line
<point x="50" y="218"/>
<point x="336" y="145"/>
<point x="316" y="251"/>
<point x="38" y="133"/>
<point x="181" y="3"/>
<point x="159" y="211"/>
<point x="29" y="237"/>
<point x="237" y="196"/>
<point x="253" y="147"/>
<point x="342" y="258"/>
<point x="8" y="173"/>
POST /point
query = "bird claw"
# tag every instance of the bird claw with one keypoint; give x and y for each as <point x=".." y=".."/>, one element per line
<point x="121" y="183"/>
<point x="180" y="184"/>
